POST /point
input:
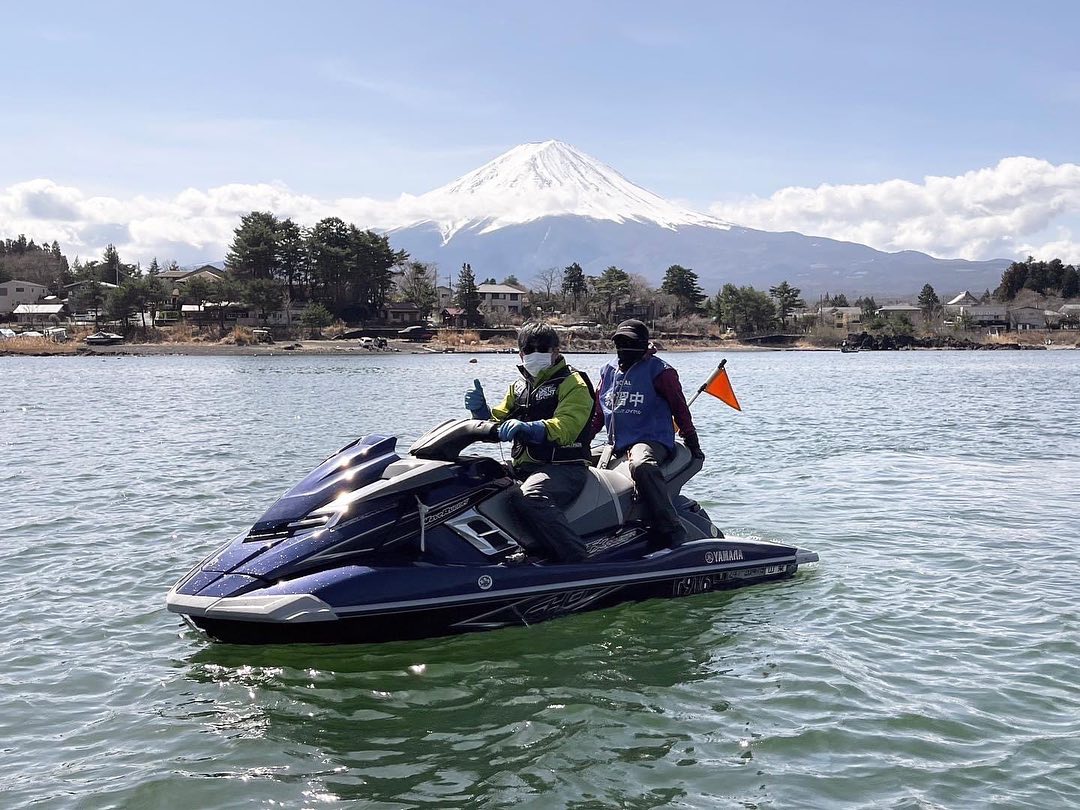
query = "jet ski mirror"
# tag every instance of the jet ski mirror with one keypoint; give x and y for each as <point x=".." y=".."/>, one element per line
<point x="446" y="441"/>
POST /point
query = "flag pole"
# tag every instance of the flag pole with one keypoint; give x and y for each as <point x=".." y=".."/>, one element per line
<point x="705" y="384"/>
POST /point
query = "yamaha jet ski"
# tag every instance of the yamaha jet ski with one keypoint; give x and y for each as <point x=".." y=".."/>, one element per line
<point x="377" y="546"/>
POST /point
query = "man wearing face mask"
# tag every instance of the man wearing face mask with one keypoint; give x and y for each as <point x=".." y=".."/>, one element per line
<point x="548" y="416"/>
<point x="641" y="397"/>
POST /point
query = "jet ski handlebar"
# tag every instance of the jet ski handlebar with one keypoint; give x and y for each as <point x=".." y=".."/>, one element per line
<point x="446" y="441"/>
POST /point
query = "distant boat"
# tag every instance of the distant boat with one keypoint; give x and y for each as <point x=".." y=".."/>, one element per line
<point x="104" y="339"/>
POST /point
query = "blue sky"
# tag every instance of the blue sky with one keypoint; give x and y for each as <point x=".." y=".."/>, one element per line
<point x="705" y="103"/>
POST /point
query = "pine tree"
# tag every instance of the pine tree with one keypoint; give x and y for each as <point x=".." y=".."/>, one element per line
<point x="253" y="252"/>
<point x="574" y="286"/>
<point x="266" y="295"/>
<point x="787" y="299"/>
<point x="1013" y="279"/>
<point x="928" y="302"/>
<point x="315" y="317"/>
<point x="468" y="296"/>
<point x="682" y="283"/>
<point x="612" y="286"/>
<point x="292" y="258"/>
<point x="112" y="269"/>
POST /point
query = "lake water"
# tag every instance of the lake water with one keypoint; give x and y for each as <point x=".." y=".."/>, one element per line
<point x="929" y="660"/>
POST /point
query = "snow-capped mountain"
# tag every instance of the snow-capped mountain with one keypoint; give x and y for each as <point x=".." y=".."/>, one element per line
<point x="537" y="180"/>
<point x="547" y="204"/>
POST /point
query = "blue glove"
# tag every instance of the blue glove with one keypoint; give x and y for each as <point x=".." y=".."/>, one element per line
<point x="476" y="403"/>
<point x="532" y="432"/>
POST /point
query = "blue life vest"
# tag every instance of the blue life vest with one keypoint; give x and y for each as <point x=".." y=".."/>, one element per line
<point x="633" y="410"/>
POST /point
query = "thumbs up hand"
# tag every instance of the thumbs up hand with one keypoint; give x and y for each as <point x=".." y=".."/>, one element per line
<point x="475" y="401"/>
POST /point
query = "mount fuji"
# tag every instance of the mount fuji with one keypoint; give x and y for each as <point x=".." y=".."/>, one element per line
<point x="548" y="204"/>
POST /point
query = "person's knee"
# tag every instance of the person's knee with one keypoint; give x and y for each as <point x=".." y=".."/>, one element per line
<point x="644" y="470"/>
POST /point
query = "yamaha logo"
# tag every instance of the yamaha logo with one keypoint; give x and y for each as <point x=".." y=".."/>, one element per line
<point x="724" y="555"/>
<point x="485" y="582"/>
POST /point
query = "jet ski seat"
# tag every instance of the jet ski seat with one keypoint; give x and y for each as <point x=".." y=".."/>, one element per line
<point x="607" y="499"/>
<point x="677" y="470"/>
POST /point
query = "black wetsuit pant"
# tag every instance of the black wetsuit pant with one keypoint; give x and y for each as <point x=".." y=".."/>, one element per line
<point x="645" y="459"/>
<point x="540" y="506"/>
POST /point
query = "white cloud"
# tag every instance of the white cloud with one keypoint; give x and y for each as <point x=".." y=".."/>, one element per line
<point x="194" y="225"/>
<point x="999" y="211"/>
<point x="1020" y="206"/>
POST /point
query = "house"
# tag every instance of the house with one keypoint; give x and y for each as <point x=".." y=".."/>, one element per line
<point x="80" y="295"/>
<point x="453" y="317"/>
<point x="41" y="313"/>
<point x="501" y="297"/>
<point x="13" y="293"/>
<point x="174" y="280"/>
<point x="281" y="317"/>
<point x="645" y="313"/>
<point x="230" y="313"/>
<point x="405" y="313"/>
<point x="183" y="276"/>
<point x="983" y="315"/>
<point x="445" y="297"/>
<point x="901" y="311"/>
<point x="842" y="317"/>
<point x="1070" y="315"/>
<point x="1023" y="318"/>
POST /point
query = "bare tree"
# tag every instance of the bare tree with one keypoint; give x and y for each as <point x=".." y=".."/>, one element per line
<point x="548" y="282"/>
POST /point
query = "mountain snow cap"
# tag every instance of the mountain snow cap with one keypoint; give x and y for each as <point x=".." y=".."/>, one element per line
<point x="551" y="178"/>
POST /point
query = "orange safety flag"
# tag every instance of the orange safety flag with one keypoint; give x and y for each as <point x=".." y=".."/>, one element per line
<point x="720" y="387"/>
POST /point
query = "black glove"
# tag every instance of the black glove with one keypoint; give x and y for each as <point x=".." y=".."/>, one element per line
<point x="694" y="446"/>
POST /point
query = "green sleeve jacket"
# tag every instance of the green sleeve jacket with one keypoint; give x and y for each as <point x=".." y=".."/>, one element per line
<point x="572" y="413"/>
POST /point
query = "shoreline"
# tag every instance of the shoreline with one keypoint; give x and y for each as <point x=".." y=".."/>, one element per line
<point x="353" y="348"/>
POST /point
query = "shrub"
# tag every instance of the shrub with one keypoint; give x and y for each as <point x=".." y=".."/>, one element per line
<point x="239" y="336"/>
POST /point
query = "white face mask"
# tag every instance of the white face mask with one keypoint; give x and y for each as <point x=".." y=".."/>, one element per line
<point x="536" y="362"/>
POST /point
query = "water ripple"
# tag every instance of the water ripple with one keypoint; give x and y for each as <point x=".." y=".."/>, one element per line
<point x="928" y="661"/>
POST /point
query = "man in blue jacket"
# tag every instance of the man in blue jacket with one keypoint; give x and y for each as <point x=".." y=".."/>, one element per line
<point x="642" y="401"/>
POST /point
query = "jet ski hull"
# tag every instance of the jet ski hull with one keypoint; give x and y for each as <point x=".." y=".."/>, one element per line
<point x="483" y="598"/>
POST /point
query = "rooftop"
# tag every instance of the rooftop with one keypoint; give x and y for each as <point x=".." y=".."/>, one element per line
<point x="18" y="281"/>
<point x="39" y="309"/>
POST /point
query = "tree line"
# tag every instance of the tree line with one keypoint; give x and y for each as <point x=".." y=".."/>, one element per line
<point x="342" y="271"/>
<point x="1045" y="278"/>
<point x="679" y="297"/>
<point x="25" y="260"/>
<point x="349" y="271"/>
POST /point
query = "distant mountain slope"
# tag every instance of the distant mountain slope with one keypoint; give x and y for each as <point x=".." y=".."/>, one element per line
<point x="719" y="256"/>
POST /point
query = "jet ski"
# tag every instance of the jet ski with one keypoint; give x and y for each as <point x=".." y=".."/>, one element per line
<point x="376" y="546"/>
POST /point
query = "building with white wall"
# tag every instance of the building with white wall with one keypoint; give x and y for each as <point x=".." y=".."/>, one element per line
<point x="14" y="292"/>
